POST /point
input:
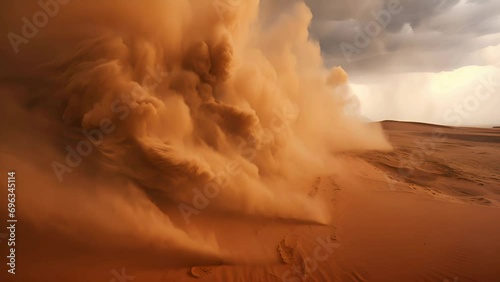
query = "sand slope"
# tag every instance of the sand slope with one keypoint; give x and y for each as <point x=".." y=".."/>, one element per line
<point x="428" y="211"/>
<point x="441" y="222"/>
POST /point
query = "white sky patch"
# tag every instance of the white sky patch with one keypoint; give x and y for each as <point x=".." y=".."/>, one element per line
<point x="488" y="55"/>
<point x="407" y="29"/>
<point x="468" y="96"/>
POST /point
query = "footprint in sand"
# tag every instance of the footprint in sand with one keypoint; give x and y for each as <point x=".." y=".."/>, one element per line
<point x="201" y="271"/>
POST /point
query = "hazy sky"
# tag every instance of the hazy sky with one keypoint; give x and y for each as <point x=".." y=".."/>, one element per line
<point x="428" y="60"/>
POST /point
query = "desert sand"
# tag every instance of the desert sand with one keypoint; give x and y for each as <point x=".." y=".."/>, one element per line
<point x="188" y="141"/>
<point x="439" y="223"/>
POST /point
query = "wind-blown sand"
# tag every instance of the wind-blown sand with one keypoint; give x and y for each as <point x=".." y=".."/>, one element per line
<point x="173" y="141"/>
<point x="440" y="223"/>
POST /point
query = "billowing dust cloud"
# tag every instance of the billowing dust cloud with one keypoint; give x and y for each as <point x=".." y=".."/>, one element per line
<point x="129" y="120"/>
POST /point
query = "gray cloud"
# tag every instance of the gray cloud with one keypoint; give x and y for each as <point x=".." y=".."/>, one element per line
<point x="415" y="39"/>
<point x="422" y="61"/>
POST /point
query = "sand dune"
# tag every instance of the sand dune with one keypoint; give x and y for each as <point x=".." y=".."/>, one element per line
<point x="173" y="141"/>
<point x="438" y="223"/>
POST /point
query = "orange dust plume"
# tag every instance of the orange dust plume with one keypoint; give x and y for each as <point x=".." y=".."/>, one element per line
<point x="130" y="119"/>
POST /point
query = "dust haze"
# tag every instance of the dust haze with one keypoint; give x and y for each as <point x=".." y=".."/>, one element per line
<point x="182" y="109"/>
